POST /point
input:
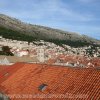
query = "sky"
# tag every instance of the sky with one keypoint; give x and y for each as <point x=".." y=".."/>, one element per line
<point x="82" y="16"/>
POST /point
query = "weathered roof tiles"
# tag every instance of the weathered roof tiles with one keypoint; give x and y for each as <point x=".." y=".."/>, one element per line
<point x="75" y="83"/>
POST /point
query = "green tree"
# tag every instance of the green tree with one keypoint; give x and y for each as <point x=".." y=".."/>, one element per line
<point x="6" y="51"/>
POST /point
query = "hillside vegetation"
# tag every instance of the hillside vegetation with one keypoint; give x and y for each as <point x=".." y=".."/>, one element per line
<point x="15" y="29"/>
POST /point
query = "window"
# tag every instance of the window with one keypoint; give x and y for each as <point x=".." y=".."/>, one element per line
<point x="42" y="87"/>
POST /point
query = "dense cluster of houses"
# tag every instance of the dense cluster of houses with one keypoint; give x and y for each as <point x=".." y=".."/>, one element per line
<point x="44" y="51"/>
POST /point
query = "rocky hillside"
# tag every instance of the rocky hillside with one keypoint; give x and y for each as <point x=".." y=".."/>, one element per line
<point x="15" y="29"/>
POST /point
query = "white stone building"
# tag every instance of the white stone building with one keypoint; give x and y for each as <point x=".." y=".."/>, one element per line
<point x="21" y="53"/>
<point x="41" y="54"/>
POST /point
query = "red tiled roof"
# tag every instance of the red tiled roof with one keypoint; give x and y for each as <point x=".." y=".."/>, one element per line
<point x="51" y="61"/>
<point x="74" y="59"/>
<point x="9" y="70"/>
<point x="2" y="67"/>
<point x="70" y="82"/>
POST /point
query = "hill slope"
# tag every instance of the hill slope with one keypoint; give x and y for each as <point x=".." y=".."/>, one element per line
<point x="15" y="29"/>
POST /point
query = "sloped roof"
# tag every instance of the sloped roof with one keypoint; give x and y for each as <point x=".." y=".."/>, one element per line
<point x="74" y="59"/>
<point x="9" y="70"/>
<point x="2" y="67"/>
<point x="76" y="83"/>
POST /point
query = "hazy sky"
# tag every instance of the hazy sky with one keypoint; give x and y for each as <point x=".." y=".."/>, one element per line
<point x="82" y="16"/>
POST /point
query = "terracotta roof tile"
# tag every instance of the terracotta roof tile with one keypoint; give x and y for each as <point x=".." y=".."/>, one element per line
<point x="9" y="70"/>
<point x="74" y="82"/>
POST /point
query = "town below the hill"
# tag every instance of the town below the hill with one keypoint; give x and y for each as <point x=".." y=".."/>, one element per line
<point x="13" y="51"/>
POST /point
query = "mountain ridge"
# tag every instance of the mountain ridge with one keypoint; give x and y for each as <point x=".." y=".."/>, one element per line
<point x="44" y="33"/>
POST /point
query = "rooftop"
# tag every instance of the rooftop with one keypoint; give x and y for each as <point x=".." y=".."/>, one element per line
<point x="56" y="82"/>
